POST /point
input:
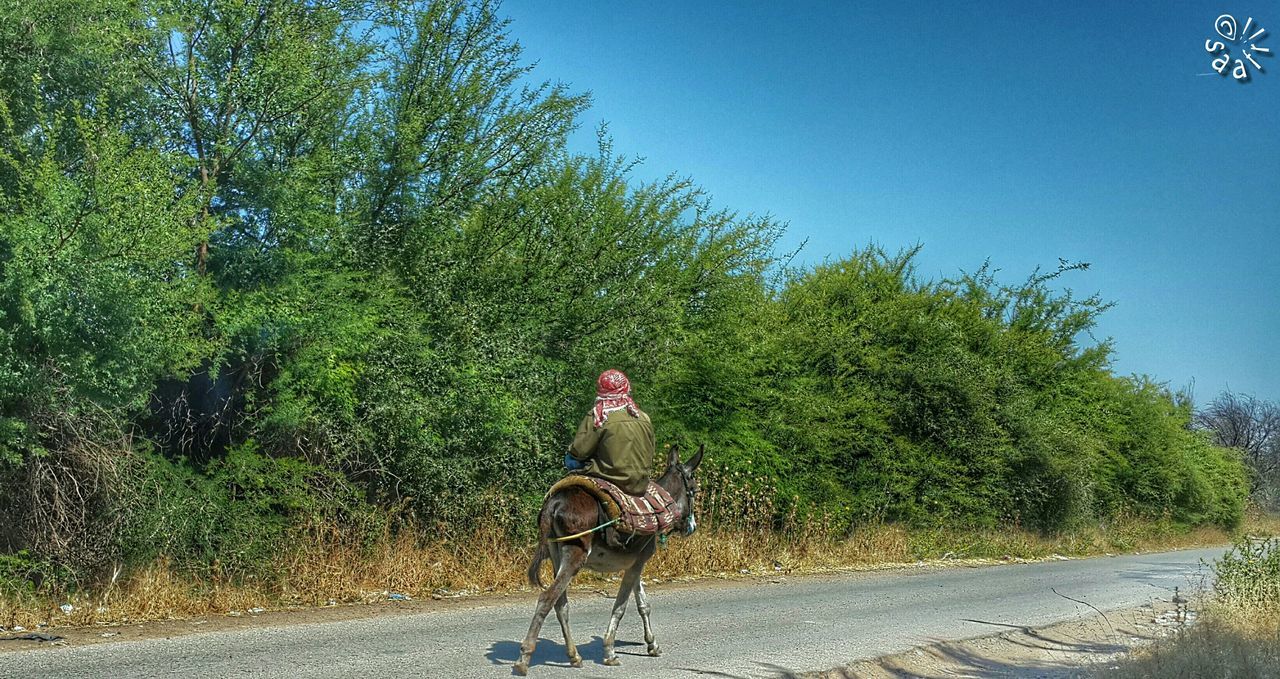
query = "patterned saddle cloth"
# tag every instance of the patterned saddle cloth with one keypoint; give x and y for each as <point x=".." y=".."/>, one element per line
<point x="655" y="512"/>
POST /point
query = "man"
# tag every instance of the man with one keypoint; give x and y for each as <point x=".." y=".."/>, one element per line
<point x="615" y="440"/>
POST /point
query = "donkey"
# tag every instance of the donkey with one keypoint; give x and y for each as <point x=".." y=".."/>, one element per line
<point x="575" y="512"/>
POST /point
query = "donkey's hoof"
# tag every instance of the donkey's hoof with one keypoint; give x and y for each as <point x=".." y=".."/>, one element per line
<point x="654" y="651"/>
<point x="576" y="662"/>
<point x="612" y="662"/>
<point x="521" y="668"/>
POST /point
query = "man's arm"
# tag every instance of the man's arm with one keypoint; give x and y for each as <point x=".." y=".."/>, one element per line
<point x="584" y="443"/>
<point x="652" y="448"/>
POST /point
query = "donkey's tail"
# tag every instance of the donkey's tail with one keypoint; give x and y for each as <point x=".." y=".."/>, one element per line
<point x="544" y="550"/>
<point x="535" y="566"/>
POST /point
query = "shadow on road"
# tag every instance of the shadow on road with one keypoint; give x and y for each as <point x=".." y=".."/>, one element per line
<point x="942" y="661"/>
<point x="552" y="653"/>
<point x="1046" y="642"/>
<point x="1019" y="652"/>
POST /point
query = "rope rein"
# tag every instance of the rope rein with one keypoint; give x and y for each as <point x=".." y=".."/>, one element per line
<point x="606" y="524"/>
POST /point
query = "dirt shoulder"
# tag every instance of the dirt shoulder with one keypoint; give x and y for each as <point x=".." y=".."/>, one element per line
<point x="1070" y="648"/>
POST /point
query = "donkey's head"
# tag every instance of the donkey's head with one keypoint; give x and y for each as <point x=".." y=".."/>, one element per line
<point x="679" y="480"/>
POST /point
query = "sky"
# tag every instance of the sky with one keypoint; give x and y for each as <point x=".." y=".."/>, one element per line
<point x="1019" y="132"/>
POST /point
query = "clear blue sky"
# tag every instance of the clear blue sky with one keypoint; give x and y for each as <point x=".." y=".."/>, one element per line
<point x="1020" y="132"/>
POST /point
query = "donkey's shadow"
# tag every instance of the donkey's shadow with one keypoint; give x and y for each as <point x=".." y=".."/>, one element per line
<point x="552" y="653"/>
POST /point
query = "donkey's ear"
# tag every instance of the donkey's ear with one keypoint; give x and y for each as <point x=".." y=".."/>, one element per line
<point x="673" y="456"/>
<point x="696" y="460"/>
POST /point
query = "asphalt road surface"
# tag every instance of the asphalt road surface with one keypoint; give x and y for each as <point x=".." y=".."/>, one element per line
<point x="753" y="628"/>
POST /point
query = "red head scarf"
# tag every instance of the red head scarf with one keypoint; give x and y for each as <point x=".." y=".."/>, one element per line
<point x="613" y="392"/>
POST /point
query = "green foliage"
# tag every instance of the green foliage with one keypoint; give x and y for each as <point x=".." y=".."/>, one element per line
<point x="1249" y="574"/>
<point x="266" y="264"/>
<point x="91" y="295"/>
<point x="231" y="517"/>
<point x="968" y="401"/>
<point x="23" y="575"/>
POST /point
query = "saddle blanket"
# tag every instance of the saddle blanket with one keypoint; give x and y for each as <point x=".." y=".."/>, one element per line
<point x="653" y="513"/>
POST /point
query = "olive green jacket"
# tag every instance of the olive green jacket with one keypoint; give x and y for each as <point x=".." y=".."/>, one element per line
<point x="621" y="450"/>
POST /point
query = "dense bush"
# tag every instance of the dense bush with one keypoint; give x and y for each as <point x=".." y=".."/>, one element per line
<point x="968" y="401"/>
<point x="1249" y="574"/>
<point x="231" y="516"/>
<point x="323" y="257"/>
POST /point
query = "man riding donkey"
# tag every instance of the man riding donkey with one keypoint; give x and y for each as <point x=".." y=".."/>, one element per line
<point x="609" y="491"/>
<point x="615" y="440"/>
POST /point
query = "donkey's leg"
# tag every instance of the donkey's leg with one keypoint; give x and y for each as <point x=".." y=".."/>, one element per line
<point x="562" y="614"/>
<point x="629" y="581"/>
<point x="642" y="605"/>
<point x="572" y="557"/>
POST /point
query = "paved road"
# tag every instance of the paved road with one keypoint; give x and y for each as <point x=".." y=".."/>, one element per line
<point x="749" y="629"/>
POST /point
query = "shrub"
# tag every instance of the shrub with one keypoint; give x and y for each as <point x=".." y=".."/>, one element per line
<point x="1249" y="574"/>
<point x="233" y="517"/>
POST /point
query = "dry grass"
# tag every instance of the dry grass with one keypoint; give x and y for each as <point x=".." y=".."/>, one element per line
<point x="1239" y="633"/>
<point x="1260" y="523"/>
<point x="1229" y="640"/>
<point x="325" y="565"/>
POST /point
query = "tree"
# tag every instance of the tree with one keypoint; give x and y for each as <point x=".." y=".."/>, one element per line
<point x="1252" y="426"/>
